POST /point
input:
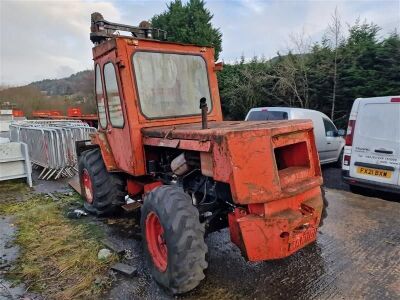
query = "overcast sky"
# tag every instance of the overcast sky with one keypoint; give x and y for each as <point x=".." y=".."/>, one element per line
<point x="50" y="39"/>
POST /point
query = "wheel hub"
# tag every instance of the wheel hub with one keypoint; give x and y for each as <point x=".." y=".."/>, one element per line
<point x="156" y="243"/>
<point x="87" y="186"/>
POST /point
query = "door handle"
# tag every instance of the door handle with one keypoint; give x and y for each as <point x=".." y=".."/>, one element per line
<point x="383" y="151"/>
<point x="328" y="143"/>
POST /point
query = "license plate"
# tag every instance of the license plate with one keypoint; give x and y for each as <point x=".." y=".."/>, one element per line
<point x="374" y="172"/>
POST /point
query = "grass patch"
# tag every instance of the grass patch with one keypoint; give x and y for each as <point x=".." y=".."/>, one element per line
<point x="13" y="190"/>
<point x="58" y="256"/>
<point x="11" y="186"/>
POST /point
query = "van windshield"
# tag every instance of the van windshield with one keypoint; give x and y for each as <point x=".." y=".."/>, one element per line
<point x="267" y="115"/>
<point x="170" y="84"/>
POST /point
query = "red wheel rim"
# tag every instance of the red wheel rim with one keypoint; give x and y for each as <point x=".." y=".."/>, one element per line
<point x="87" y="186"/>
<point x="156" y="242"/>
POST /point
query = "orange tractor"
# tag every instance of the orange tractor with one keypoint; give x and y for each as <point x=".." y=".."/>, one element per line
<point x="162" y="141"/>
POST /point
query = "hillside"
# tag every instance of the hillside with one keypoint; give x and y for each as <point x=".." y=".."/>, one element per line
<point x="75" y="90"/>
<point x="79" y="83"/>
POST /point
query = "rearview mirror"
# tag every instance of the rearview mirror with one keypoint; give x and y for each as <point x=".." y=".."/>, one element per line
<point x="341" y="132"/>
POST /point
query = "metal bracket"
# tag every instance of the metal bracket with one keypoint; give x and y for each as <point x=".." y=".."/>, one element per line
<point x="102" y="30"/>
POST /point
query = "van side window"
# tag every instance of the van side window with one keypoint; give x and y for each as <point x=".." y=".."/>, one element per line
<point x="113" y="98"/>
<point x="100" y="99"/>
<point x="330" y="129"/>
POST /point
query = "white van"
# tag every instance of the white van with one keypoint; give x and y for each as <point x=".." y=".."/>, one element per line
<point x="372" y="152"/>
<point x="328" y="139"/>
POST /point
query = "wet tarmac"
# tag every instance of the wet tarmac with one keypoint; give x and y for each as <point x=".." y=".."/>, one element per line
<point x="356" y="256"/>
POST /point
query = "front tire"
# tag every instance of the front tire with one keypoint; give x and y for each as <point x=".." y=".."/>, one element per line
<point x="173" y="239"/>
<point x="103" y="192"/>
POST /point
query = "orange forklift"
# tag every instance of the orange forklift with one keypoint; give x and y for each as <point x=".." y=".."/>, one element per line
<point x="162" y="141"/>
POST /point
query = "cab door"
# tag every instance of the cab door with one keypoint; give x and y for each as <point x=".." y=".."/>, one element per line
<point x="117" y="131"/>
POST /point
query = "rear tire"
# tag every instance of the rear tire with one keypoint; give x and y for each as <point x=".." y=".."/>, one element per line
<point x="324" y="213"/>
<point x="180" y="267"/>
<point x="104" y="192"/>
<point x="340" y="159"/>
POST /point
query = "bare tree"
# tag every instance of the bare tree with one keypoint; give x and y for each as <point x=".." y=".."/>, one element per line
<point x="292" y="71"/>
<point x="336" y="37"/>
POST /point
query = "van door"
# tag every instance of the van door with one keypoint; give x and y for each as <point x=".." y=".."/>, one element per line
<point x="332" y="140"/>
<point x="319" y="134"/>
<point x="376" y="141"/>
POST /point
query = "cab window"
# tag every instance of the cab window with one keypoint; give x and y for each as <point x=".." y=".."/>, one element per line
<point x="100" y="99"/>
<point x="113" y="98"/>
<point x="330" y="129"/>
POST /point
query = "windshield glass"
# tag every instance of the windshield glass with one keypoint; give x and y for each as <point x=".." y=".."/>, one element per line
<point x="265" y="115"/>
<point x="170" y="84"/>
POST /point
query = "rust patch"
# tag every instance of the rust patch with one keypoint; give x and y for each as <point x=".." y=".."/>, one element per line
<point x="207" y="166"/>
<point x="180" y="144"/>
<point x="160" y="142"/>
<point x="106" y="152"/>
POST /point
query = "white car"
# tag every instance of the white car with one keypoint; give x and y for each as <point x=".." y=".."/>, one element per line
<point x="328" y="139"/>
<point x="372" y="152"/>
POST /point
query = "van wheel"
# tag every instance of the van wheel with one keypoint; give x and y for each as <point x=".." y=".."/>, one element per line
<point x="103" y="192"/>
<point x="340" y="159"/>
<point x="173" y="239"/>
<point x="324" y="213"/>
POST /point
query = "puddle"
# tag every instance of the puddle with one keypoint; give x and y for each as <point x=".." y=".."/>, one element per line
<point x="8" y="254"/>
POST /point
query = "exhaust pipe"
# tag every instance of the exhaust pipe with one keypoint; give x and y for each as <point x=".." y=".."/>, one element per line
<point x="204" y="111"/>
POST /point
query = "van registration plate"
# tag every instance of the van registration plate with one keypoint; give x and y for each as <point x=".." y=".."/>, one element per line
<point x="374" y="172"/>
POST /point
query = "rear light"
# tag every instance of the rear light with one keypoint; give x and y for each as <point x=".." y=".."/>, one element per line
<point x="396" y="99"/>
<point x="350" y="132"/>
<point x="346" y="160"/>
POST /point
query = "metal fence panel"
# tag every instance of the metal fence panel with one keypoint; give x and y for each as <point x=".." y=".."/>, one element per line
<point x="51" y="144"/>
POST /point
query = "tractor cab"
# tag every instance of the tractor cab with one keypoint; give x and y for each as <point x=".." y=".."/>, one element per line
<point x="144" y="82"/>
<point x="162" y="142"/>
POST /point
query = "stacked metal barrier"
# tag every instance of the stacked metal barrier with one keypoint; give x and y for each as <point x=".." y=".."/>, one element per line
<point x="14" y="161"/>
<point x="51" y="144"/>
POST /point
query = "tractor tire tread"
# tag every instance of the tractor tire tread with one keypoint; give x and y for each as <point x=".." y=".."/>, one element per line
<point x="186" y="246"/>
<point x="108" y="188"/>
